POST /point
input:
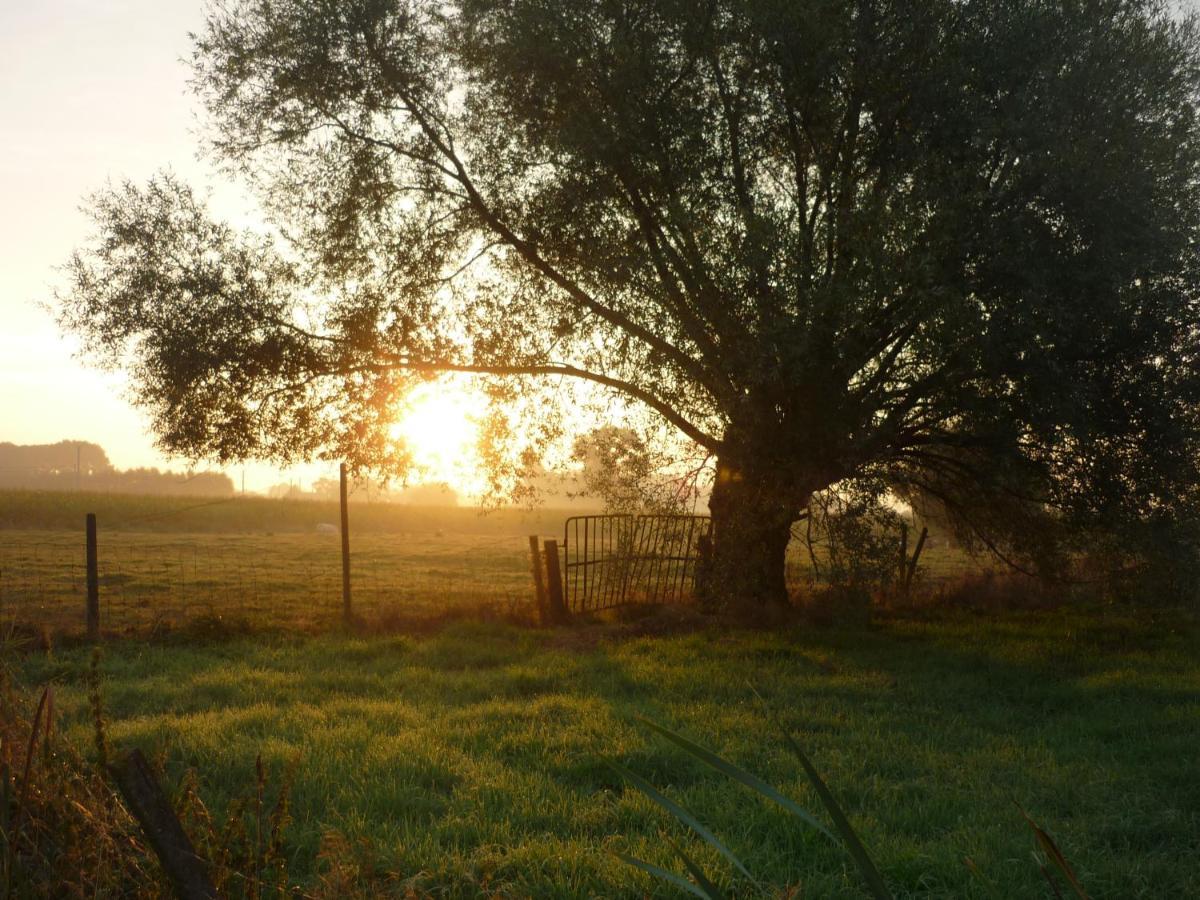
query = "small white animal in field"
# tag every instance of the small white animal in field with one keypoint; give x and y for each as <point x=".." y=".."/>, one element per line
<point x="326" y="528"/>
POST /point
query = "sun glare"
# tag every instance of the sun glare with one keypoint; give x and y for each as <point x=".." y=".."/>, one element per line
<point x="440" y="425"/>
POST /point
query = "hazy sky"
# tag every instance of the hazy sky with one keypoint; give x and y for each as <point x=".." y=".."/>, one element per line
<point x="90" y="91"/>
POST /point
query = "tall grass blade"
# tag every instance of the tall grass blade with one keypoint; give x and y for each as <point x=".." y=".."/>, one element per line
<point x="31" y="747"/>
<point x="679" y="813"/>
<point x="669" y="877"/>
<point x="974" y="869"/>
<point x="737" y="774"/>
<point x="695" y="871"/>
<point x="48" y="727"/>
<point x="8" y="852"/>
<point x="1054" y="889"/>
<point x="862" y="859"/>
<point x="1047" y="845"/>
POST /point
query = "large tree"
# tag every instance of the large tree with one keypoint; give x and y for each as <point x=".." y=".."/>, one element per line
<point x="947" y="246"/>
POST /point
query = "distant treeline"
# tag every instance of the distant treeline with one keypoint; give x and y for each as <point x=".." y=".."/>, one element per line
<point x="365" y="490"/>
<point x="84" y="466"/>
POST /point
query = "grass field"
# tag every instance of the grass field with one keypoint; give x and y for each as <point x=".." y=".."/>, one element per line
<point x="470" y="761"/>
<point x="166" y="560"/>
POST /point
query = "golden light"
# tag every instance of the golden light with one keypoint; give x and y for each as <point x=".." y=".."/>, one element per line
<point x="440" y="424"/>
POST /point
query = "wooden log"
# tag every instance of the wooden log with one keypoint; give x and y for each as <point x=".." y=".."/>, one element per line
<point x="150" y="807"/>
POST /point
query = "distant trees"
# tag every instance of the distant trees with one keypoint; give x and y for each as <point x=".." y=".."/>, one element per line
<point x="64" y="457"/>
<point x="82" y="465"/>
<point x="946" y="246"/>
<point x="366" y="490"/>
<point x="619" y="467"/>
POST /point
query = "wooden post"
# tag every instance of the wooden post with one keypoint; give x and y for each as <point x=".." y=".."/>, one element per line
<point x="903" y="553"/>
<point x="558" y="608"/>
<point x="150" y="807"/>
<point x="346" y="610"/>
<point x="912" y="563"/>
<point x="93" y="581"/>
<point x="539" y="584"/>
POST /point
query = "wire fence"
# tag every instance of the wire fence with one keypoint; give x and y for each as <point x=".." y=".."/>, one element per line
<point x="150" y="580"/>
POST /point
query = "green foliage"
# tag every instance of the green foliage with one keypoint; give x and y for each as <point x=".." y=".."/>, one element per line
<point x="852" y="536"/>
<point x="628" y="473"/>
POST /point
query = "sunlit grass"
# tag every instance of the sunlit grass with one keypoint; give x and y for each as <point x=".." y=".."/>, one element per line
<point x="472" y="759"/>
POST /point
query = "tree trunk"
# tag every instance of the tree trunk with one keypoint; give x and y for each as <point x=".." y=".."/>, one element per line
<point x="751" y="526"/>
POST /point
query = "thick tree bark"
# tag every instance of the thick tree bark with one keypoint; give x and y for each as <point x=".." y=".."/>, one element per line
<point x="752" y="518"/>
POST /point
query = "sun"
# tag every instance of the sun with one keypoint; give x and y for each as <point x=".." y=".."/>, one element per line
<point x="440" y="425"/>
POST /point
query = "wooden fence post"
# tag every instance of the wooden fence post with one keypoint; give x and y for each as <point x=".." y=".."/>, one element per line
<point x="558" y="607"/>
<point x="93" y="581"/>
<point x="346" y="610"/>
<point x="912" y="563"/>
<point x="539" y="585"/>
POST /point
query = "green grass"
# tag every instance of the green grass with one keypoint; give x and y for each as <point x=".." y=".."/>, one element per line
<point x="472" y="759"/>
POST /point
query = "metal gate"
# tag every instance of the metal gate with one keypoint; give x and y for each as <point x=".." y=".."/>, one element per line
<point x="613" y="560"/>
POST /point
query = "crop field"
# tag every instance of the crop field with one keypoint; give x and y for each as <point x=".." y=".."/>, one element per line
<point x="164" y="561"/>
<point x="471" y="761"/>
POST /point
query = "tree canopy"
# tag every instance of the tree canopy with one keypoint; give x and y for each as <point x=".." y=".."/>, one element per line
<point x="946" y="246"/>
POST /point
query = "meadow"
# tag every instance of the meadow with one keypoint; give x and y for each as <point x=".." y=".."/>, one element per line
<point x="440" y="751"/>
<point x="165" y="561"/>
<point x="471" y="761"/>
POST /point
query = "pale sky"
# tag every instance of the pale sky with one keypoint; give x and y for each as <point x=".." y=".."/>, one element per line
<point x="91" y="91"/>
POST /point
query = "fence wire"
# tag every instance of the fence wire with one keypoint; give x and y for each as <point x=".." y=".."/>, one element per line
<point x="152" y="580"/>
